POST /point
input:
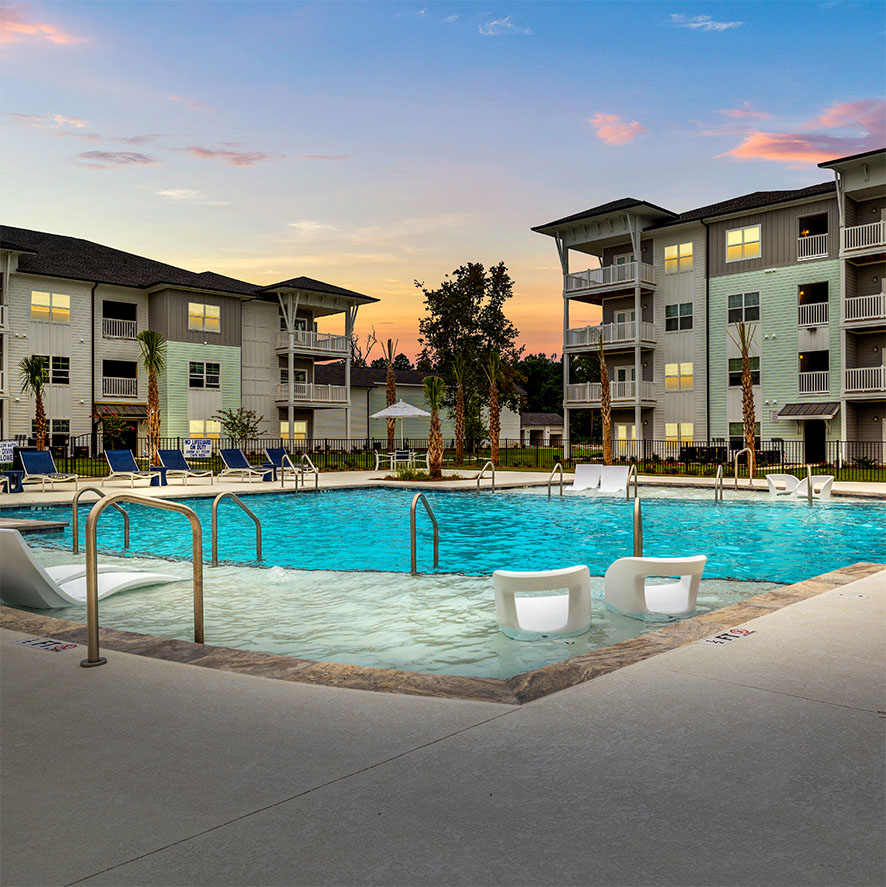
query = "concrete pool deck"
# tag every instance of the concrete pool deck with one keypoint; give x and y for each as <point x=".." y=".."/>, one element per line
<point x="759" y="761"/>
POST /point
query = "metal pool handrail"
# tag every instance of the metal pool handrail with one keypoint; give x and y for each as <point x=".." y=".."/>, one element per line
<point x="482" y="472"/>
<point x="284" y="463"/>
<point x="632" y="472"/>
<point x="554" y="470"/>
<point x="306" y="458"/>
<point x="420" y="497"/>
<point x="740" y="453"/>
<point x="718" y="484"/>
<point x="93" y="657"/>
<point x="75" y="517"/>
<point x="638" y="528"/>
<point x="239" y="501"/>
<point x="809" y="484"/>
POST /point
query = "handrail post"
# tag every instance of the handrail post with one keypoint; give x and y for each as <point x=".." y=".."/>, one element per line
<point x="718" y="484"/>
<point x="638" y="528"/>
<point x="554" y="470"/>
<point x="809" y="484"/>
<point x="738" y="455"/>
<point x="75" y="517"/>
<point x="306" y="458"/>
<point x="239" y="501"/>
<point x="482" y="472"/>
<point x="632" y="472"/>
<point x="413" y="544"/>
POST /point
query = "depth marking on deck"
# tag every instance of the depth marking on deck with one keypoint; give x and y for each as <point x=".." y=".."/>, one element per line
<point x="45" y="644"/>
<point x="733" y="634"/>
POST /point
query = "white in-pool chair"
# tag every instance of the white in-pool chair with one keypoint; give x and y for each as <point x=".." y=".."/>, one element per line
<point x="626" y="591"/>
<point x="587" y="477"/>
<point x="534" y="617"/>
<point x="24" y="583"/>
<point x="788" y="481"/>
<point x="821" y="487"/>
<point x="614" y="478"/>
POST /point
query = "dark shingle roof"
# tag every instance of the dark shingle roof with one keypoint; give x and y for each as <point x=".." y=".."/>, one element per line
<point x="365" y="377"/>
<point x="540" y="419"/>
<point x="612" y="206"/>
<point x="308" y="283"/>
<point x="809" y="410"/>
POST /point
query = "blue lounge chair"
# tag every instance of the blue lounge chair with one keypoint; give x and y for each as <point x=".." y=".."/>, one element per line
<point x="236" y="463"/>
<point x="39" y="465"/>
<point x="279" y="459"/>
<point x="177" y="466"/>
<point x="122" y="464"/>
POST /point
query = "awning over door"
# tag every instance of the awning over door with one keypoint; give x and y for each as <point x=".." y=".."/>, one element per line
<point x="800" y="411"/>
<point x="125" y="410"/>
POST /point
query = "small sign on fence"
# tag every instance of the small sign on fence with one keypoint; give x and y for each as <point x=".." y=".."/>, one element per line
<point x="197" y="447"/>
<point x="6" y="448"/>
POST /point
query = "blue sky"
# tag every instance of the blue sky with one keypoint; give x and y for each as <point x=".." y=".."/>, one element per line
<point x="373" y="144"/>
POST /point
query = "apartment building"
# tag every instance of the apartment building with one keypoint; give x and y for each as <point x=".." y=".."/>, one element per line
<point x="229" y="342"/>
<point x="804" y="267"/>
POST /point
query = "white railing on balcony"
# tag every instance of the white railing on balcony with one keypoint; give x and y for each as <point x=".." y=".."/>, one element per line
<point x="2" y="317"/>
<point x="115" y="387"/>
<point x="310" y="341"/>
<point x="813" y="246"/>
<point x="610" y="333"/>
<point x="813" y="383"/>
<point x="866" y="307"/>
<point x="304" y="391"/>
<point x="814" y="314"/>
<point x="865" y="379"/>
<point x="611" y="275"/>
<point x="118" y="329"/>
<point x="865" y="236"/>
<point x="590" y="392"/>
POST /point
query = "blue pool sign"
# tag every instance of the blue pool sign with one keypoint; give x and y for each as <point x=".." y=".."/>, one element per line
<point x="6" y="448"/>
<point x="198" y="448"/>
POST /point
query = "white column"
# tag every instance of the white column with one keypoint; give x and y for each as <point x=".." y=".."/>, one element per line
<point x="350" y="320"/>
<point x="563" y="251"/>
<point x="638" y="312"/>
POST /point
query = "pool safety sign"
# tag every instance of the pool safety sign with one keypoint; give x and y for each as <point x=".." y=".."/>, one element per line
<point x="727" y="637"/>
<point x="52" y="646"/>
<point x="197" y="447"/>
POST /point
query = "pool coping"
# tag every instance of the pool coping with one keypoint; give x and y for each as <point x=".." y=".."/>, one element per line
<point x="517" y="690"/>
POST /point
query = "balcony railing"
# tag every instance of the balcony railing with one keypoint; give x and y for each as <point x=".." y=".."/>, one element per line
<point x="118" y="329"/>
<point x="813" y="246"/>
<point x="611" y="275"/>
<point x="305" y="392"/>
<point x="308" y="340"/>
<point x="610" y="333"/>
<point x="813" y="314"/>
<point x="590" y="392"/>
<point x="866" y="307"/>
<point x="115" y="387"/>
<point x="865" y="379"/>
<point x="864" y="236"/>
<point x="813" y="383"/>
<point x="3" y="317"/>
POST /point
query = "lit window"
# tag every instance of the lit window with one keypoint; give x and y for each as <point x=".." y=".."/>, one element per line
<point x="743" y="243"/>
<point x="204" y="375"/>
<point x="743" y="307"/>
<point x="678" y="258"/>
<point x="679" y="432"/>
<point x="205" y="318"/>
<point x="54" y="307"/>
<point x="204" y="428"/>
<point x="678" y="317"/>
<point x="299" y="430"/>
<point x="735" y="371"/>
<point x="678" y="377"/>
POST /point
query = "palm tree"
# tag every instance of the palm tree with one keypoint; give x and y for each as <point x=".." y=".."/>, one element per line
<point x="744" y="339"/>
<point x="434" y="388"/>
<point x="459" y="371"/>
<point x="153" y="346"/>
<point x="388" y="350"/>
<point x="492" y="368"/>
<point x="605" y="405"/>
<point x="33" y="373"/>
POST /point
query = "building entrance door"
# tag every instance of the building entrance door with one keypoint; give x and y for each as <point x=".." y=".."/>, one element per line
<point x="814" y="441"/>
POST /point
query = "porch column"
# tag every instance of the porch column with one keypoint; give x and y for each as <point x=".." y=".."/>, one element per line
<point x="638" y="313"/>
<point x="563" y="252"/>
<point x="350" y="320"/>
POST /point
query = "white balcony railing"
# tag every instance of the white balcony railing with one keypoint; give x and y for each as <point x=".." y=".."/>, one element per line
<point x="590" y="392"/>
<point x="2" y="317"/>
<point x="813" y="383"/>
<point x="866" y="307"/>
<point x="813" y="246"/>
<point x="307" y="393"/>
<point x="118" y="329"/>
<point x="610" y="333"/>
<point x="814" y="314"/>
<point x="114" y="387"/>
<point x="307" y="340"/>
<point x="864" y="236"/>
<point x="865" y="379"/>
<point x="611" y="275"/>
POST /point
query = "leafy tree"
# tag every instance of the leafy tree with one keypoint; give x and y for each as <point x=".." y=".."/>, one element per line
<point x="459" y="370"/>
<point x="434" y="389"/>
<point x="239" y="424"/>
<point x="33" y="373"/>
<point x="542" y="378"/>
<point x="153" y="356"/>
<point x="402" y="362"/>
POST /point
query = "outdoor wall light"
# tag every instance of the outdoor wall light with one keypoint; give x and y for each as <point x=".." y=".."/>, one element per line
<point x="876" y="418"/>
<point x="876" y="349"/>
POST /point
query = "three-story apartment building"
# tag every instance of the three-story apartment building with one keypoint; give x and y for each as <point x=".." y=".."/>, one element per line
<point x="229" y="342"/>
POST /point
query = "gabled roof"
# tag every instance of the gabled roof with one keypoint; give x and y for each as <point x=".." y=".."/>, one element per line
<point x="365" y="377"/>
<point x="613" y="206"/>
<point x="308" y="283"/>
<point x="540" y="419"/>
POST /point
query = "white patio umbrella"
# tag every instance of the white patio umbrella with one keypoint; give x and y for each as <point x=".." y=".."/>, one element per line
<point x="400" y="410"/>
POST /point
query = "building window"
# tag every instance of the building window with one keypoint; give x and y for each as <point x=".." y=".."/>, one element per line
<point x="736" y="435"/>
<point x="51" y="307"/>
<point x="743" y="243"/>
<point x="205" y="318"/>
<point x="735" y="371"/>
<point x="743" y="307"/>
<point x="678" y="377"/>
<point x="298" y="376"/>
<point x="299" y="430"/>
<point x="204" y="375"/>
<point x="57" y="431"/>
<point x="300" y="323"/>
<point x="58" y="371"/>
<point x="678" y="317"/>
<point x="678" y="258"/>
<point x="204" y="428"/>
<point x="679" y="432"/>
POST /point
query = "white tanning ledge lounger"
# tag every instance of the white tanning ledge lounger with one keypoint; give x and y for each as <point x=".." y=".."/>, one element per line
<point x="587" y="477"/>
<point x="24" y="583"/>
<point x="614" y="478"/>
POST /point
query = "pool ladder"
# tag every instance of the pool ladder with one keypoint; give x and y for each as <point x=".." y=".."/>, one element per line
<point x="482" y="472"/>
<point x="420" y="497"/>
<point x="638" y="528"/>
<point x="554" y="470"/>
<point x="75" y="518"/>
<point x="718" y="484"/>
<point x="738" y="455"/>
<point x="249" y="511"/>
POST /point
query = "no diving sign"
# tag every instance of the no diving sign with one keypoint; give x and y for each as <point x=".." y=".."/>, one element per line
<point x="726" y="637"/>
<point x="52" y="646"/>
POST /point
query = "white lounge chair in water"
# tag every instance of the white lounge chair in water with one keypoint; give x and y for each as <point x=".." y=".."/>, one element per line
<point x="788" y="481"/>
<point x="821" y="487"/>
<point x="614" y="478"/>
<point x="534" y="617"/>
<point x="24" y="583"/>
<point x="587" y="477"/>
<point x="626" y="591"/>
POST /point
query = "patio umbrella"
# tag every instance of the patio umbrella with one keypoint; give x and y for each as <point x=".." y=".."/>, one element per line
<point x="400" y="410"/>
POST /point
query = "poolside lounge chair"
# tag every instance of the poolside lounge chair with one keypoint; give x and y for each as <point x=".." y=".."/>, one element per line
<point x="821" y="487"/>
<point x="122" y="464"/>
<point x="177" y="466"/>
<point x="587" y="477"/>
<point x="237" y="464"/>
<point x="614" y="478"/>
<point x="279" y="459"/>
<point x="626" y="591"/>
<point x="790" y="484"/>
<point x="39" y="465"/>
<point x="23" y="582"/>
<point x="529" y="618"/>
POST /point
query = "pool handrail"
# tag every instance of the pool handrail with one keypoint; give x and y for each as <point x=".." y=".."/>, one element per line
<point x="718" y="483"/>
<point x="312" y="468"/>
<point x="809" y="484"/>
<point x="554" y="470"/>
<point x="75" y="518"/>
<point x="632" y="472"/>
<point x="488" y="464"/>
<point x="93" y="658"/>
<point x="740" y="453"/>
<point x="638" y="528"/>
<point x="420" y="497"/>
<point x="249" y="511"/>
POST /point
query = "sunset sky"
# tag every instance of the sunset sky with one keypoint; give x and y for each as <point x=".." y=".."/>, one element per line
<point x="373" y="144"/>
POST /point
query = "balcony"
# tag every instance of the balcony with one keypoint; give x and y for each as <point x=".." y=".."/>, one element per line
<point x="610" y="333"/>
<point x="116" y="387"/>
<point x="861" y="237"/>
<point x="619" y="392"/>
<point x="309" y="342"/>
<point x="612" y="277"/>
<point x="813" y="383"/>
<point x="860" y="308"/>
<point x="118" y="329"/>
<point x="865" y="380"/>
<point x="813" y="314"/>
<point x="813" y="246"/>
<point x="305" y="393"/>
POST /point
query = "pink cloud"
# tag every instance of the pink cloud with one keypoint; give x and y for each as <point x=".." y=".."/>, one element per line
<point x="14" y="28"/>
<point x="193" y="104"/>
<point x="324" y="156"/>
<point x="115" y="159"/>
<point x="55" y="120"/>
<point x="746" y="110"/>
<point x="233" y="158"/>
<point x="611" y="129"/>
<point x="869" y="114"/>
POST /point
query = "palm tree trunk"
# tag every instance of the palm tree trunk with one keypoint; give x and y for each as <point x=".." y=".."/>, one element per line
<point x="153" y="417"/>
<point x="460" y="423"/>
<point x="494" y="423"/>
<point x="390" y="400"/>
<point x="747" y="411"/>
<point x="435" y="447"/>
<point x="39" y="423"/>
<point x="606" y="413"/>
